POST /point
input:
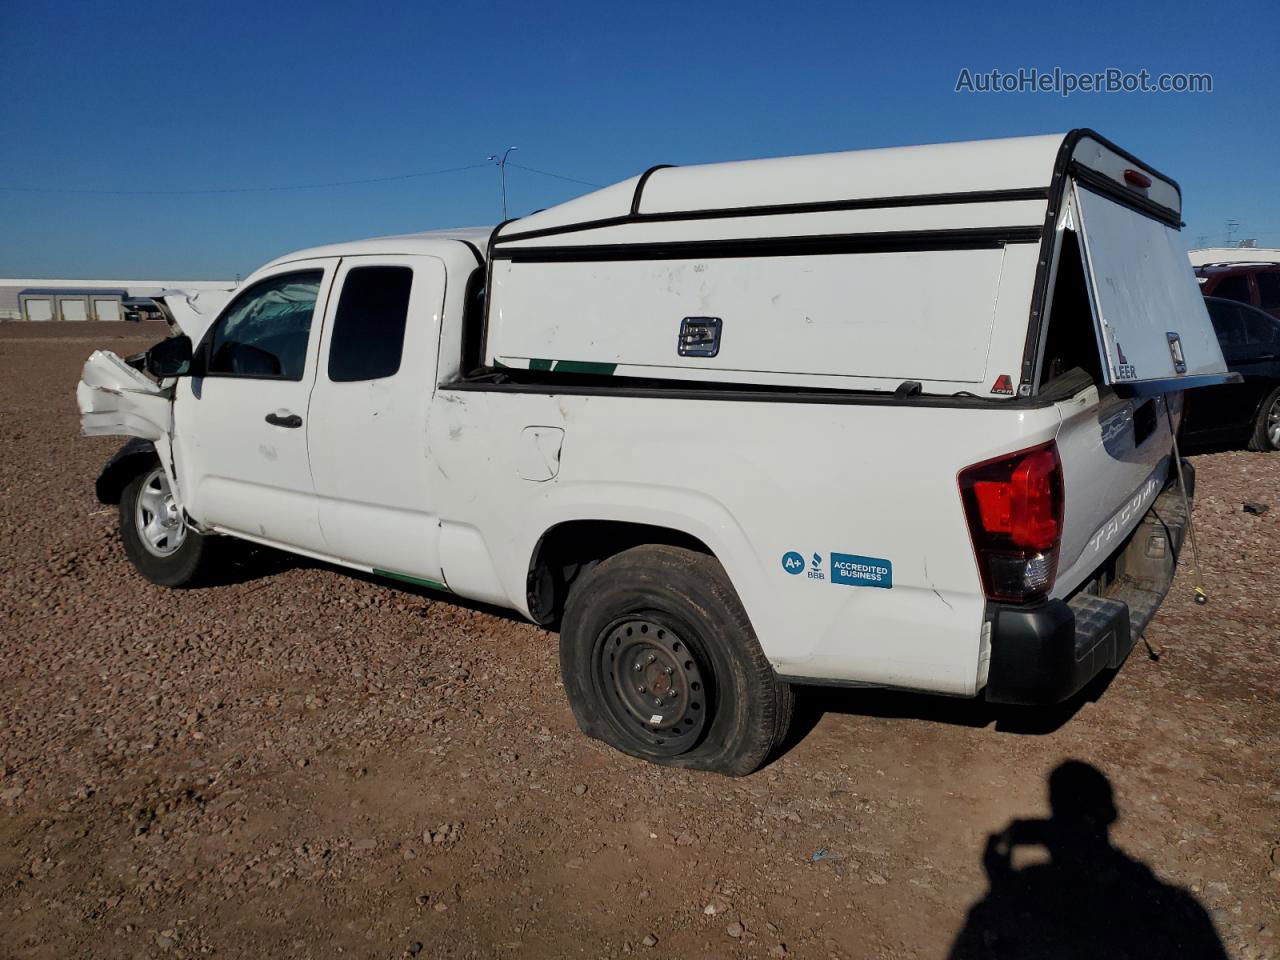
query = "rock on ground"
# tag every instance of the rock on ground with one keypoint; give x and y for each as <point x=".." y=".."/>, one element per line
<point x="298" y="761"/>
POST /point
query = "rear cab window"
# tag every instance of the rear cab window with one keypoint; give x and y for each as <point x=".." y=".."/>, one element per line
<point x="369" y="325"/>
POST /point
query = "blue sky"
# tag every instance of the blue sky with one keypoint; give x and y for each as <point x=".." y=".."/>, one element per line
<point x="184" y="96"/>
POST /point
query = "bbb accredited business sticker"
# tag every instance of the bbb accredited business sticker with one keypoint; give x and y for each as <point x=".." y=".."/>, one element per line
<point x="855" y="571"/>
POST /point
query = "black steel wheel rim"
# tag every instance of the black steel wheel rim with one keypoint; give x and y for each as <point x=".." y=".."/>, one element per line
<point x="653" y="684"/>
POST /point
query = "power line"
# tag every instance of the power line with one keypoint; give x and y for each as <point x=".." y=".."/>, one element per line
<point x="222" y="190"/>
<point x="557" y="176"/>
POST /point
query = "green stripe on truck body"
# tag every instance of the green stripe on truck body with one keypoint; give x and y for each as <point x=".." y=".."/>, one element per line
<point x="416" y="581"/>
<point x="570" y="366"/>
<point x="585" y="366"/>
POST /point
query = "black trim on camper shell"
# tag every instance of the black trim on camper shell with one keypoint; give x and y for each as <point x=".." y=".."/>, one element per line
<point x="1040" y="289"/>
<point x="644" y="178"/>
<point x="1152" y="388"/>
<point x="899" y="241"/>
<point x="559" y="383"/>
<point x="783" y="209"/>
<point x="1062" y="172"/>
<point x="487" y="263"/>
<point x="1126" y="198"/>
<point x="475" y="251"/>
<point x="1085" y="133"/>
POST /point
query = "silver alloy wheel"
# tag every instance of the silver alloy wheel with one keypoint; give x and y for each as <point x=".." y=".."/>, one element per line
<point x="157" y="517"/>
<point x="1273" y="424"/>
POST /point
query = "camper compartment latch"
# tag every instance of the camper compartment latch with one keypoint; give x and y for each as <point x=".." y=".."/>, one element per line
<point x="699" y="336"/>
<point x="1175" y="350"/>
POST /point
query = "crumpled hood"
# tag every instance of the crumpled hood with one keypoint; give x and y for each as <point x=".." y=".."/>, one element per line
<point x="193" y="311"/>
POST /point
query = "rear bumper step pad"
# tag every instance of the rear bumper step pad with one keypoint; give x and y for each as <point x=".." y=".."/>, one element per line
<point x="1047" y="653"/>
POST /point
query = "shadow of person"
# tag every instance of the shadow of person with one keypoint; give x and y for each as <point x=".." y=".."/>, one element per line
<point x="1088" y="899"/>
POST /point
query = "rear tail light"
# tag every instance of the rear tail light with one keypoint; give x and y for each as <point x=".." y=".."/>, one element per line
<point x="1014" y="508"/>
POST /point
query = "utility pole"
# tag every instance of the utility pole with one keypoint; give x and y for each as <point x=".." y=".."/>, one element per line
<point x="502" y="174"/>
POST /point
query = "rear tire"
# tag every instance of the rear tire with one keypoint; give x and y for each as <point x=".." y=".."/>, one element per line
<point x="159" y="544"/>
<point x="1266" y="430"/>
<point x="660" y="661"/>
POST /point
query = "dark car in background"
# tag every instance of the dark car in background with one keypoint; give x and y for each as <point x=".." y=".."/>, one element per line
<point x="1247" y="412"/>
<point x="137" y="309"/>
<point x="1254" y="283"/>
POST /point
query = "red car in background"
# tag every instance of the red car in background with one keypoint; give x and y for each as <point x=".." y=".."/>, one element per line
<point x="1254" y="283"/>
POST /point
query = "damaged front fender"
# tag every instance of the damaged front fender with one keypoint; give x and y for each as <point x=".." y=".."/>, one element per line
<point x="116" y="399"/>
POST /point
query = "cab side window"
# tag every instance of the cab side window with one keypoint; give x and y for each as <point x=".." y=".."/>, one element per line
<point x="1259" y="327"/>
<point x="264" y="332"/>
<point x="1227" y="324"/>
<point x="368" y="328"/>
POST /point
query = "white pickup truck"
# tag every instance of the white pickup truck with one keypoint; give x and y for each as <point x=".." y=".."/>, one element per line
<point x="896" y="418"/>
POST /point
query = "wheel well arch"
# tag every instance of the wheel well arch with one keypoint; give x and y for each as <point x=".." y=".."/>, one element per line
<point x="1266" y="388"/>
<point x="568" y="549"/>
<point x="129" y="461"/>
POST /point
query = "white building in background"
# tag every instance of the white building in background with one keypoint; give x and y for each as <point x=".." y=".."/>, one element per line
<point x="39" y="299"/>
<point x="1234" y="255"/>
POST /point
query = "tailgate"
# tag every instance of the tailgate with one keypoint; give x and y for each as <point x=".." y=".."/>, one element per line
<point x="1116" y="456"/>
<point x="1154" y="341"/>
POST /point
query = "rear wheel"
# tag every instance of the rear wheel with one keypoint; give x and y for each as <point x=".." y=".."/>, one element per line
<point x="659" y="660"/>
<point x="156" y="538"/>
<point x="1266" y="431"/>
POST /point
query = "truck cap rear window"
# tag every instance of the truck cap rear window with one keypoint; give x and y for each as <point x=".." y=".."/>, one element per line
<point x="1149" y="316"/>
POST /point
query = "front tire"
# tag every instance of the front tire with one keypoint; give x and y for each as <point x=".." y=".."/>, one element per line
<point x="1266" y="431"/>
<point x="660" y="661"/>
<point x="158" y="542"/>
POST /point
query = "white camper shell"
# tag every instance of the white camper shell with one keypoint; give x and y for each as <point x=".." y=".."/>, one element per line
<point x="856" y="270"/>
<point x="894" y="418"/>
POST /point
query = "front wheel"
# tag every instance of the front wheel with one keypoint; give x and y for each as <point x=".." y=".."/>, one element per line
<point x="1266" y="431"/>
<point x="660" y="661"/>
<point x="156" y="538"/>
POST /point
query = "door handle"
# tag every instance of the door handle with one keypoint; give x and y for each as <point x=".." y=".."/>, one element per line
<point x="283" y="418"/>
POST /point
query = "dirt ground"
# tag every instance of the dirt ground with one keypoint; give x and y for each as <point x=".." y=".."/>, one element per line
<point x="299" y="763"/>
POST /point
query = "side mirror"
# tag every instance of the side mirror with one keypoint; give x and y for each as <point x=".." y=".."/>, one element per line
<point x="170" y="358"/>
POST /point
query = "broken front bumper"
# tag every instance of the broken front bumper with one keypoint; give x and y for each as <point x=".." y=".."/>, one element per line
<point x="1046" y="653"/>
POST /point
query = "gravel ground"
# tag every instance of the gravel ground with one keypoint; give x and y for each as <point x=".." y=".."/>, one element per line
<point x="300" y="763"/>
